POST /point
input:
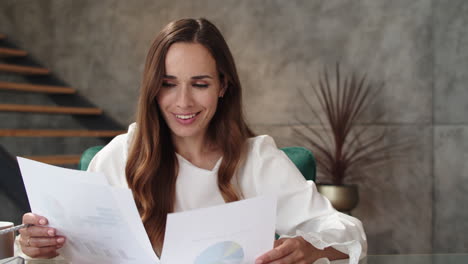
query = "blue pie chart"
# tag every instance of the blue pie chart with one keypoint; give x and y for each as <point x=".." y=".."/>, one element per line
<point x="226" y="252"/>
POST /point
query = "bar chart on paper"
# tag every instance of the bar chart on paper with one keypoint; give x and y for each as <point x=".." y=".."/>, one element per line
<point x="226" y="252"/>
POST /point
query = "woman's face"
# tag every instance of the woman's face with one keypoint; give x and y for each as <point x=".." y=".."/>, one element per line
<point x="191" y="87"/>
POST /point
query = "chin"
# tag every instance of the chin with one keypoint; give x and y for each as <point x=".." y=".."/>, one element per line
<point x="184" y="133"/>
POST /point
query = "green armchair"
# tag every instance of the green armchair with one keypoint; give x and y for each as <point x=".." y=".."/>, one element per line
<point x="87" y="156"/>
<point x="301" y="157"/>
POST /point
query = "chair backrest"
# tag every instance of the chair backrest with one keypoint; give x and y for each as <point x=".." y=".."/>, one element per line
<point x="304" y="161"/>
<point x="301" y="157"/>
<point x="87" y="156"/>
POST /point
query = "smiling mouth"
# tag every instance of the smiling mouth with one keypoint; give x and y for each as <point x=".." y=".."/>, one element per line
<point x="187" y="116"/>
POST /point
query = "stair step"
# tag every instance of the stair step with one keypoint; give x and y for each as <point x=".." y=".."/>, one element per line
<point x="36" y="88"/>
<point x="6" y="52"/>
<point x="50" y="109"/>
<point x="28" y="70"/>
<point x="58" y="133"/>
<point x="57" y="159"/>
<point x="2" y="36"/>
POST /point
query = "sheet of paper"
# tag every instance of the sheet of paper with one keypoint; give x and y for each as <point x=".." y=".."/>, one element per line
<point x="54" y="172"/>
<point x="233" y="233"/>
<point x="101" y="222"/>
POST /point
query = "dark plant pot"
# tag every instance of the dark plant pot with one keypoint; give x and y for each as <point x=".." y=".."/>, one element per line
<point x="344" y="198"/>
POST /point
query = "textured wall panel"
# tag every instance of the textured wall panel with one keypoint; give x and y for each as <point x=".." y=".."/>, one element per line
<point x="450" y="61"/>
<point x="451" y="188"/>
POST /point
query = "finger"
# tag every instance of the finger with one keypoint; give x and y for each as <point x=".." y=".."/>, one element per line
<point x="278" y="252"/>
<point x="40" y="242"/>
<point x="44" y="252"/>
<point x="279" y="242"/>
<point x="34" y="219"/>
<point x="38" y="231"/>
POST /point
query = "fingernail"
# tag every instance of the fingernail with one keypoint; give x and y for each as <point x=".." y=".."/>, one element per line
<point x="50" y="232"/>
<point x="60" y="240"/>
<point x="42" y="221"/>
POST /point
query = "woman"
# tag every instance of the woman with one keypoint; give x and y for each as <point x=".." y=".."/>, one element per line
<point x="191" y="148"/>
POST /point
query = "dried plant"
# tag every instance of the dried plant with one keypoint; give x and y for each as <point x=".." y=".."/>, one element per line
<point x="346" y="148"/>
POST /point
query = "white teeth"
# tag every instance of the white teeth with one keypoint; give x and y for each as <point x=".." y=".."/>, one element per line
<point x="186" y="116"/>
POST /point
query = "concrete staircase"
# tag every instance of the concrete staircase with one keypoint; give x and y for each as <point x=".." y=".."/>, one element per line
<point x="27" y="89"/>
<point x="41" y="118"/>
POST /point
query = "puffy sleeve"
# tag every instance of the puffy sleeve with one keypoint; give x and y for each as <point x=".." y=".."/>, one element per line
<point x="302" y="210"/>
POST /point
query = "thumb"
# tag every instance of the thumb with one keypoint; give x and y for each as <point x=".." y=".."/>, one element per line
<point x="34" y="219"/>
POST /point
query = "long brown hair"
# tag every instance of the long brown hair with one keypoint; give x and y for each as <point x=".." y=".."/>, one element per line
<point x="151" y="168"/>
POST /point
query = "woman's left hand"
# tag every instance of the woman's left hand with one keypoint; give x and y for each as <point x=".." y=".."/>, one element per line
<point x="290" y="250"/>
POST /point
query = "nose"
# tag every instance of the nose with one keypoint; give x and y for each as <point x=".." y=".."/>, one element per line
<point x="184" y="97"/>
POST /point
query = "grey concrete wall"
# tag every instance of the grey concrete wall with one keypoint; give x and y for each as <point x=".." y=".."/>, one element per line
<point x="450" y="125"/>
<point x="415" y="47"/>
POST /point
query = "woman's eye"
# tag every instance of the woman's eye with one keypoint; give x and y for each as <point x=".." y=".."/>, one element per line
<point x="200" y="85"/>
<point x="166" y="84"/>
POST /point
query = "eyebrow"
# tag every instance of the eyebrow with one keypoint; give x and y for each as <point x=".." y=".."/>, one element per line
<point x="198" y="77"/>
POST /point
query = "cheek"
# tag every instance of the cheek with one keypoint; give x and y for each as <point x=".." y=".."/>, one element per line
<point x="163" y="100"/>
<point x="211" y="103"/>
<point x="163" y="107"/>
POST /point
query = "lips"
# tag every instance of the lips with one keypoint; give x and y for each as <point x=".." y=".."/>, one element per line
<point x="186" y="118"/>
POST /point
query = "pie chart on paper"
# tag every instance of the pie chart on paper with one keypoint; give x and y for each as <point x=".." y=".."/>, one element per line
<point x="226" y="252"/>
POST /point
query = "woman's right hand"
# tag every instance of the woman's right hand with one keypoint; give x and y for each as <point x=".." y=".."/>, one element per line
<point x="39" y="240"/>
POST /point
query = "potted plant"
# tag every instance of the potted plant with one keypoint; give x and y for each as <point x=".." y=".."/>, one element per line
<point x="343" y="148"/>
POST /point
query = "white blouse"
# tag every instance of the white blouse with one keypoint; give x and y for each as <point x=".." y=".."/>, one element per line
<point x="302" y="210"/>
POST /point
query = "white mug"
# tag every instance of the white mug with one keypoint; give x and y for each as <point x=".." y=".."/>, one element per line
<point x="6" y="241"/>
